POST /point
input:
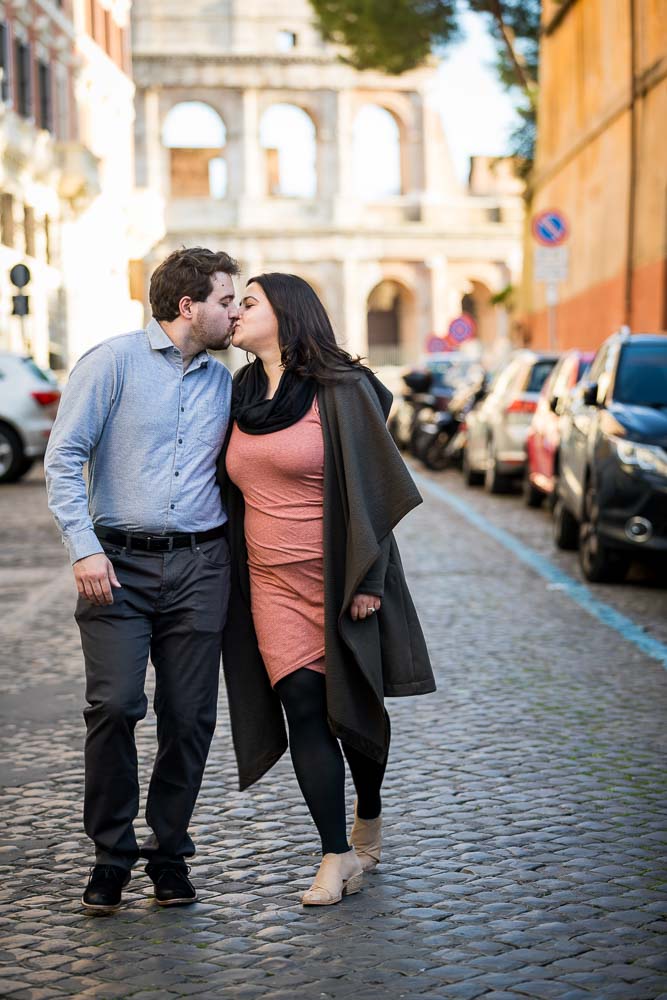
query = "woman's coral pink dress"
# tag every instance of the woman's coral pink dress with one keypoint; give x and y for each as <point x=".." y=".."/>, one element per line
<point x="281" y="477"/>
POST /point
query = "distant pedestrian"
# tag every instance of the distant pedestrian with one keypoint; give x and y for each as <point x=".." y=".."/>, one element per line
<point x="320" y="616"/>
<point x="148" y="412"/>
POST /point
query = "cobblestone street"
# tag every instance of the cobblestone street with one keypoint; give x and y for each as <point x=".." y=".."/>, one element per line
<point x="524" y="803"/>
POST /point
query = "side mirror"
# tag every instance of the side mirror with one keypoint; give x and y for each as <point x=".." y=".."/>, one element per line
<point x="553" y="404"/>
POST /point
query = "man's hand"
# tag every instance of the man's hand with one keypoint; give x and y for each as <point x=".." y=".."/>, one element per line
<point x="361" y="603"/>
<point x="95" y="576"/>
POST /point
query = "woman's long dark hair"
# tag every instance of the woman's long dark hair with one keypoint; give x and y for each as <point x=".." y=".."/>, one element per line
<point x="307" y="342"/>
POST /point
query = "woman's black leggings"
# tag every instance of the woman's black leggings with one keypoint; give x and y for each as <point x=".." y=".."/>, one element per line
<point x="318" y="762"/>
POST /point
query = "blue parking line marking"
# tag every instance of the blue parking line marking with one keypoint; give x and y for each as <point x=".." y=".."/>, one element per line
<point x="577" y="592"/>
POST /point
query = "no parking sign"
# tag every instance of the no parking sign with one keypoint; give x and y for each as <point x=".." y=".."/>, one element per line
<point x="461" y="329"/>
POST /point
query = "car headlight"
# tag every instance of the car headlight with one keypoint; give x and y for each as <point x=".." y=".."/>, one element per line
<point x="648" y="457"/>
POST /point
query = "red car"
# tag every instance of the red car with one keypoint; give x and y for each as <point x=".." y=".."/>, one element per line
<point x="544" y="433"/>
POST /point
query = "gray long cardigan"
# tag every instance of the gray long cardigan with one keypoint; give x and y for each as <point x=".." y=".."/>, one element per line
<point x="367" y="490"/>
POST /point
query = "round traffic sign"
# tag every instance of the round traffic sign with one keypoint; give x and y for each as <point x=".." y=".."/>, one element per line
<point x="19" y="275"/>
<point x="435" y="344"/>
<point x="462" y="328"/>
<point x="550" y="228"/>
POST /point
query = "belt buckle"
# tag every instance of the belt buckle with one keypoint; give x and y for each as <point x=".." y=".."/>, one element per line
<point x="159" y="543"/>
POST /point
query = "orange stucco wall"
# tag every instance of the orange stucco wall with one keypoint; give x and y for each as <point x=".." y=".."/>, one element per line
<point x="583" y="168"/>
<point x="586" y="319"/>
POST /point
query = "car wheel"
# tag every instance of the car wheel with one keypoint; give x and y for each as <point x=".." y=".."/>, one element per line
<point x="494" y="481"/>
<point x="531" y="495"/>
<point x="12" y="460"/>
<point x="599" y="562"/>
<point x="565" y="526"/>
<point x="471" y="477"/>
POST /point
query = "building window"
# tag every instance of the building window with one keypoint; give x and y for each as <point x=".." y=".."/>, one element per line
<point x="285" y="41"/>
<point x="45" y="102"/>
<point x="4" y="64"/>
<point x="7" y="219"/>
<point x="29" y="230"/>
<point x="24" y="92"/>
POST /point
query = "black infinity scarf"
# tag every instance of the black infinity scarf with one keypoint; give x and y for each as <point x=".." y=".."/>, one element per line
<point x="255" y="414"/>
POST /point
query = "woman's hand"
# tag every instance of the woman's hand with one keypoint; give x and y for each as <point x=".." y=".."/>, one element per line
<point x="364" y="606"/>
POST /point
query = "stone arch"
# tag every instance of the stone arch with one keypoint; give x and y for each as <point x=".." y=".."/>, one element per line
<point x="377" y="150"/>
<point x="195" y="135"/>
<point x="390" y="319"/>
<point x="288" y="134"/>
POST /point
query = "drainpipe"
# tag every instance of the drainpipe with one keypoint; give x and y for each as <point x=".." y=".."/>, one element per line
<point x="632" y="180"/>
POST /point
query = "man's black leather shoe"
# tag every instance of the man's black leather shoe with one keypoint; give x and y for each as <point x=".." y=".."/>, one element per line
<point x="105" y="887"/>
<point x="172" y="885"/>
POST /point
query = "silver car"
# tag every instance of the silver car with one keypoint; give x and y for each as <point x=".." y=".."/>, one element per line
<point x="29" y="400"/>
<point x="495" y="450"/>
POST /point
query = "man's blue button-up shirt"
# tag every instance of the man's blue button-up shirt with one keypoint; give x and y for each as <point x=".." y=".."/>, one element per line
<point x="150" y="433"/>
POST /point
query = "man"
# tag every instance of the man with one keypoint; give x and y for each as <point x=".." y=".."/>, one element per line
<point x="148" y="411"/>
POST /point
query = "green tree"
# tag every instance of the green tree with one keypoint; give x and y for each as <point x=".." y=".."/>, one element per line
<point x="398" y="35"/>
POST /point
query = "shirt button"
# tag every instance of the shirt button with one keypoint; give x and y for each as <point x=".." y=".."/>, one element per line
<point x="176" y="473"/>
<point x="182" y="409"/>
<point x="172" y="505"/>
<point x="180" y="440"/>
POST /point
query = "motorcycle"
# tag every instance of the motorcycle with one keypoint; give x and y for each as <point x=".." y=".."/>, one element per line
<point x="421" y="395"/>
<point x="439" y="439"/>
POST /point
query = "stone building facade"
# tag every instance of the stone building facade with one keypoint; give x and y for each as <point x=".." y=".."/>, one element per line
<point x="601" y="160"/>
<point x="67" y="199"/>
<point x="391" y="268"/>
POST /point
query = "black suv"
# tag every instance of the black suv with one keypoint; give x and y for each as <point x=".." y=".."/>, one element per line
<point x="611" y="496"/>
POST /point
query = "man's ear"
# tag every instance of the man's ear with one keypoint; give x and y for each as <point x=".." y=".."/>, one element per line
<point x="185" y="307"/>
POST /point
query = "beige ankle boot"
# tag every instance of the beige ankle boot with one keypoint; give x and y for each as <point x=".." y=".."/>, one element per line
<point x="339" y="875"/>
<point x="366" y="838"/>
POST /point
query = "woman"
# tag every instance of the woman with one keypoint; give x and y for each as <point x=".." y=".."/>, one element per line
<point x="320" y="619"/>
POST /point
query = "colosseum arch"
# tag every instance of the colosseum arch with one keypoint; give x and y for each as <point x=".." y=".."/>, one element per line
<point x="195" y="136"/>
<point x="288" y="135"/>
<point x="377" y="154"/>
<point x="391" y="322"/>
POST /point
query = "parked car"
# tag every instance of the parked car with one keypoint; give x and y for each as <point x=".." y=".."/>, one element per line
<point x="429" y="385"/>
<point x="29" y="400"/>
<point x="495" y="449"/>
<point x="544" y="432"/>
<point x="612" y="487"/>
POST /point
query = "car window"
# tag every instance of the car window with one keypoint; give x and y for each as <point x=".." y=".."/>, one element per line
<point x="583" y="369"/>
<point x="641" y="378"/>
<point x="538" y="375"/>
<point x="598" y="364"/>
<point x="36" y="370"/>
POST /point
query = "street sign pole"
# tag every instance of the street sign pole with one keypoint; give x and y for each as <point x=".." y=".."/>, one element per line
<point x="550" y="263"/>
<point x="552" y="302"/>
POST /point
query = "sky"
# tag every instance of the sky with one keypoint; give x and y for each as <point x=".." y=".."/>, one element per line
<point x="477" y="113"/>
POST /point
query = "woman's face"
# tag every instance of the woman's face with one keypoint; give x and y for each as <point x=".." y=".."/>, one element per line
<point x="256" y="330"/>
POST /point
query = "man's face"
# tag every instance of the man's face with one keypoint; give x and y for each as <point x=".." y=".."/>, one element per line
<point x="214" y="319"/>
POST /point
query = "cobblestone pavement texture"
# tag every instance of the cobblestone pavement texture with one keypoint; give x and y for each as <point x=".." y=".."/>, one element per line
<point x="524" y="805"/>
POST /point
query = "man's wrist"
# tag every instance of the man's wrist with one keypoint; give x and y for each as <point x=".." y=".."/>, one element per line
<point x="82" y="544"/>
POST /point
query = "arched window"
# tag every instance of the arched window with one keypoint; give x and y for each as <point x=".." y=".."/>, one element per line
<point x="195" y="135"/>
<point x="376" y="145"/>
<point x="390" y="318"/>
<point x="287" y="134"/>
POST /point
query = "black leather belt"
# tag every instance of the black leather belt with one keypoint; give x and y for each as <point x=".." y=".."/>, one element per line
<point x="157" y="543"/>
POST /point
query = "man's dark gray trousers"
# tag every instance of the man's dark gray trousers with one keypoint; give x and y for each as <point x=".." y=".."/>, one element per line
<point x="172" y="607"/>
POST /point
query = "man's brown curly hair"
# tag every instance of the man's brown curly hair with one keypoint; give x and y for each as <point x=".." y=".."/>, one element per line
<point x="186" y="271"/>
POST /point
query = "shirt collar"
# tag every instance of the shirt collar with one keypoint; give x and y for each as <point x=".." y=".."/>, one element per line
<point x="160" y="341"/>
<point x="157" y="338"/>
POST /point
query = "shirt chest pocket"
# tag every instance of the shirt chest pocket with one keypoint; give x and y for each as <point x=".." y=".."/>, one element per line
<point x="209" y="425"/>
